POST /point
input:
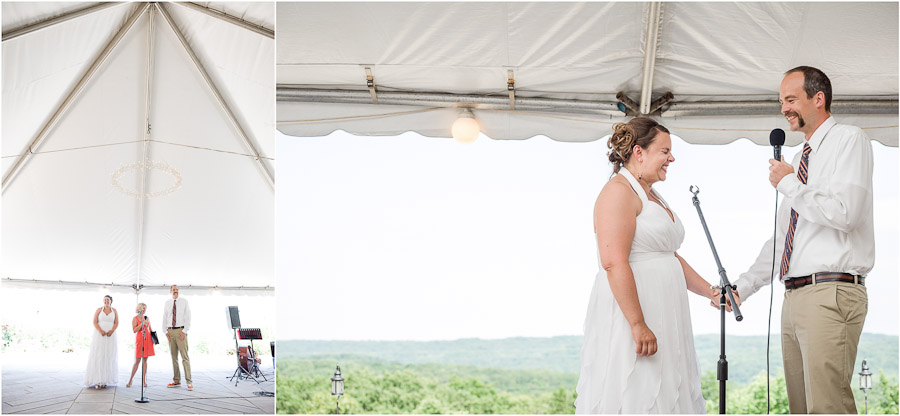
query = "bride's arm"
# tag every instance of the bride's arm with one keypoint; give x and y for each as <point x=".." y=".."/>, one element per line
<point x="116" y="323"/>
<point x="615" y="214"/>
<point x="97" y="321"/>
<point x="699" y="285"/>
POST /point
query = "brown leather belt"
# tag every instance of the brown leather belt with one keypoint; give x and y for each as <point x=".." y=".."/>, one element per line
<point x="798" y="282"/>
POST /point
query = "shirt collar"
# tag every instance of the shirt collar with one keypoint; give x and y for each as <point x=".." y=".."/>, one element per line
<point x="816" y="140"/>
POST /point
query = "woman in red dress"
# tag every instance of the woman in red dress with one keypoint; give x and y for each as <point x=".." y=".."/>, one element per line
<point x="141" y="326"/>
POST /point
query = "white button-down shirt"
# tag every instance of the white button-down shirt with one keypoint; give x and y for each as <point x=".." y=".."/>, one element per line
<point x="182" y="314"/>
<point x="835" y="230"/>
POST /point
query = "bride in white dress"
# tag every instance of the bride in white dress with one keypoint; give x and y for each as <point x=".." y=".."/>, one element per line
<point x="638" y="355"/>
<point x="103" y="361"/>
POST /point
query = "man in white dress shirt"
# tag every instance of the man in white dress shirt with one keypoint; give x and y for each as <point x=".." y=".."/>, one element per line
<point x="177" y="321"/>
<point x="826" y="244"/>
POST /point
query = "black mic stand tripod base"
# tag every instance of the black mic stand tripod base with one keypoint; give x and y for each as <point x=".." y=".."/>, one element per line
<point x="726" y="288"/>
<point x="143" y="367"/>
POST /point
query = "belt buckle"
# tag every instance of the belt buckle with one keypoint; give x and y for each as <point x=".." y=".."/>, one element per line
<point x="813" y="276"/>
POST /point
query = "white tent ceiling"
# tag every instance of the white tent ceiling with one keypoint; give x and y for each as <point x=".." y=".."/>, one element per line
<point x="137" y="143"/>
<point x="723" y="63"/>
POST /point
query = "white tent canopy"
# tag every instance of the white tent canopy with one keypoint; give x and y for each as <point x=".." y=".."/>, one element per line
<point x="137" y="143"/>
<point x="555" y="69"/>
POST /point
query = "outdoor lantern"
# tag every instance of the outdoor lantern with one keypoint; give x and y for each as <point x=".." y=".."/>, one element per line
<point x="337" y="389"/>
<point x="865" y="382"/>
<point x="337" y="383"/>
<point x="865" y="377"/>
<point x="465" y="129"/>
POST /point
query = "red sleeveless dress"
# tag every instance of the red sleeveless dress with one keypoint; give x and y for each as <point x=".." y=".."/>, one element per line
<point x="148" y="343"/>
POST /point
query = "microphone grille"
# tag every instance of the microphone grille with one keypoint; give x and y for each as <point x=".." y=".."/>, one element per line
<point x="776" y="137"/>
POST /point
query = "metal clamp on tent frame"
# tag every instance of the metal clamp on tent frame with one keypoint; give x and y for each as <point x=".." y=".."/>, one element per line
<point x="370" y="84"/>
<point x="511" y="87"/>
<point x="630" y="107"/>
<point x="627" y="105"/>
<point x="661" y="101"/>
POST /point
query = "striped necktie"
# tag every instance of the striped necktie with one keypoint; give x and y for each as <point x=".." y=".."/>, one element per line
<point x="173" y="311"/>
<point x="803" y="175"/>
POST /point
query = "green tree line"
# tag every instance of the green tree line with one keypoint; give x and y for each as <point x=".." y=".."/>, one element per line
<point x="375" y="387"/>
<point x="408" y="392"/>
<point x="746" y="354"/>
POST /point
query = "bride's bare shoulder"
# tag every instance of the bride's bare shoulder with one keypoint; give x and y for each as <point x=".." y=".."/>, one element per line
<point x="617" y="190"/>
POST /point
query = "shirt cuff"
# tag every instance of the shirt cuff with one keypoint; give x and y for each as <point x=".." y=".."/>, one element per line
<point x="744" y="288"/>
<point x="789" y="185"/>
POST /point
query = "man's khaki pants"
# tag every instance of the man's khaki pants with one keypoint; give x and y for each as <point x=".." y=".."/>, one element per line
<point x="820" y="328"/>
<point x="177" y="345"/>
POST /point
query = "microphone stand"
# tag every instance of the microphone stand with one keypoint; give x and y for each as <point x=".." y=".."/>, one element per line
<point x="143" y="364"/>
<point x="726" y="287"/>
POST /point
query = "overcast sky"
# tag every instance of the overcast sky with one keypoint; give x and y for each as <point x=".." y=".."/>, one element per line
<point x="416" y="238"/>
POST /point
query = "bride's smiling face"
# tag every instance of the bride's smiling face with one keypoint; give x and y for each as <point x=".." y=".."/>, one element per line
<point x="654" y="160"/>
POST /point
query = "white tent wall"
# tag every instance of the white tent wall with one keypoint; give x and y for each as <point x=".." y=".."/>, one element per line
<point x="34" y="87"/>
<point x="744" y="48"/>
<point x="17" y="17"/>
<point x="705" y="53"/>
<point x="242" y="62"/>
<point x="60" y="229"/>
<point x="63" y="218"/>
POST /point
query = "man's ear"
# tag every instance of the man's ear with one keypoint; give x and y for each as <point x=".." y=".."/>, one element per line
<point x="820" y="99"/>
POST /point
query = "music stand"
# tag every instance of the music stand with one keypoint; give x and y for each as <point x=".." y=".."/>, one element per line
<point x="253" y="371"/>
<point x="234" y="321"/>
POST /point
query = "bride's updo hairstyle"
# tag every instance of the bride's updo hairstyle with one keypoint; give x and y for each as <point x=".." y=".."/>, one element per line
<point x="639" y="131"/>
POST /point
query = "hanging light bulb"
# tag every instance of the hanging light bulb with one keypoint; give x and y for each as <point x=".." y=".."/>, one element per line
<point x="465" y="129"/>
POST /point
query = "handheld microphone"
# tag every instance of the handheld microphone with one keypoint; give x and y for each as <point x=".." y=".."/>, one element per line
<point x="776" y="139"/>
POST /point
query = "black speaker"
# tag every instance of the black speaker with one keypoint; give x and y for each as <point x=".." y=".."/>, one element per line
<point x="234" y="318"/>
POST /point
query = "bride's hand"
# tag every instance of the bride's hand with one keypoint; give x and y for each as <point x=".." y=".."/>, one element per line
<point x="644" y="340"/>
<point x="714" y="299"/>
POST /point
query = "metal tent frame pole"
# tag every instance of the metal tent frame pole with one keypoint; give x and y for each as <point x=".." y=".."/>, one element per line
<point x="768" y="108"/>
<point x="230" y="19"/>
<point x="649" y="66"/>
<point x="264" y="170"/>
<point x="145" y="151"/>
<point x="136" y="287"/>
<point x="34" y="27"/>
<point x="292" y="93"/>
<point x="22" y="161"/>
<point x="288" y="93"/>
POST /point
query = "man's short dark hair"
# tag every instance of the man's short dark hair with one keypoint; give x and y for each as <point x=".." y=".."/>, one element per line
<point x="814" y="80"/>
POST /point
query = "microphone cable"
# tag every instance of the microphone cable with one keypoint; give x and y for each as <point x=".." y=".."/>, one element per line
<point x="776" y="139"/>
<point x="771" y="298"/>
